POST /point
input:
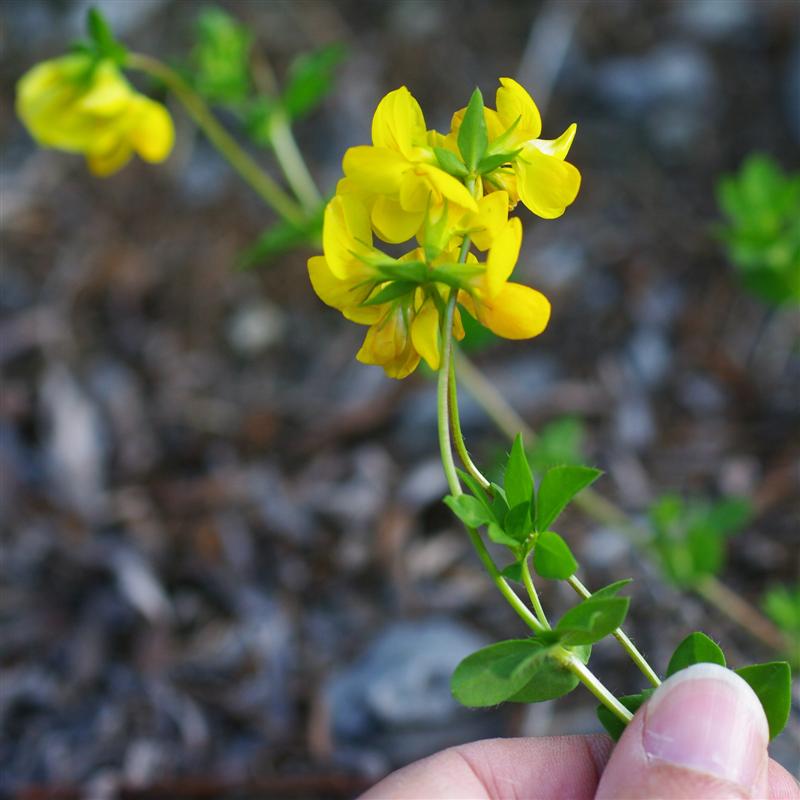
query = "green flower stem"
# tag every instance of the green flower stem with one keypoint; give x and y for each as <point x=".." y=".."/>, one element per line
<point x="292" y="163"/>
<point x="711" y="589"/>
<point x="450" y="467"/>
<point x="620" y="635"/>
<point x="269" y="191"/>
<point x="588" y="679"/>
<point x="458" y="437"/>
<point x="533" y="594"/>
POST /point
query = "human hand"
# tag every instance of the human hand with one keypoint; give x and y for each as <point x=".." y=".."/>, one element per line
<point x="703" y="734"/>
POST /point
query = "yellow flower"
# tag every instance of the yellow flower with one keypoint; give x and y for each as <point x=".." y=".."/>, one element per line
<point x="81" y="105"/>
<point x="397" y="176"/>
<point x="538" y="175"/>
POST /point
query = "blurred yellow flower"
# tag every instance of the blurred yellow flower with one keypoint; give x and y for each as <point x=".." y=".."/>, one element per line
<point x="79" y="104"/>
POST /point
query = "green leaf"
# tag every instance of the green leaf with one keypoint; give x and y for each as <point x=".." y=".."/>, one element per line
<point x="612" y="588"/>
<point x="450" y="162"/>
<point x="499" y="504"/>
<point x="559" y="485"/>
<point x="552" y="557"/>
<point x="279" y="239"/>
<point x="611" y="722"/>
<point x="492" y="162"/>
<point x="518" y="481"/>
<point x="497" y="672"/>
<point x="391" y="291"/>
<point x="518" y="522"/>
<point x="473" y="485"/>
<point x="772" y="684"/>
<point x="592" y="620"/>
<point x="498" y="535"/>
<point x="472" y="136"/>
<point x="513" y="572"/>
<point x="310" y="79"/>
<point x="469" y="510"/>
<point x="550" y="680"/>
<point x="696" y="648"/>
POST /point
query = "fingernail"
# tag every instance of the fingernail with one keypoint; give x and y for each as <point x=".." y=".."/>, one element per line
<point x="706" y="718"/>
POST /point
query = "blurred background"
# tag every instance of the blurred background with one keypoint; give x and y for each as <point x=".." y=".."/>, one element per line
<point x="226" y="569"/>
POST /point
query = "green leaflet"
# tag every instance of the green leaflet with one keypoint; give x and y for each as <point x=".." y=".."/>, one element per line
<point x="696" y="648"/>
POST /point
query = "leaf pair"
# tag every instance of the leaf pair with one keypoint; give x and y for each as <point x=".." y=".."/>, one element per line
<point x="533" y="670"/>
<point x="517" y="670"/>
<point x="771" y="683"/>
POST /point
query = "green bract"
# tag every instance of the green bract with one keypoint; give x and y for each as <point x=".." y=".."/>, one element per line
<point x="472" y="136"/>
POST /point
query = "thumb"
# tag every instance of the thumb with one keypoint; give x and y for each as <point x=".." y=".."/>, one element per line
<point x="703" y="733"/>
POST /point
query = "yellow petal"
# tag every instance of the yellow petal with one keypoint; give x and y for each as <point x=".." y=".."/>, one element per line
<point x="489" y="220"/>
<point x="516" y="312"/>
<point x="388" y="345"/>
<point x="513" y="103"/>
<point x="346" y="229"/>
<point x="109" y="92"/>
<point x="377" y="169"/>
<point x="398" y="123"/>
<point x="152" y="133"/>
<point x="106" y="163"/>
<point x="341" y="294"/>
<point x="425" y="334"/>
<point x="557" y="147"/>
<point x="47" y="100"/>
<point x="446" y="186"/>
<point x="503" y="256"/>
<point x="547" y="185"/>
<point x="392" y="223"/>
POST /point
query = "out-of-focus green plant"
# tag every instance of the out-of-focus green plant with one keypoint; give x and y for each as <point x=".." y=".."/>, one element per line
<point x="220" y="59"/>
<point x="561" y="442"/>
<point x="782" y="605"/>
<point x="690" y="537"/>
<point x="762" y="229"/>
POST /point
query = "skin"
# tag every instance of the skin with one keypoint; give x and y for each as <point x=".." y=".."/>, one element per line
<point x="551" y="768"/>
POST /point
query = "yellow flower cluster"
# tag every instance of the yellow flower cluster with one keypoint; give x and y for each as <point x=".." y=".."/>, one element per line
<point x="420" y="186"/>
<point x="83" y="105"/>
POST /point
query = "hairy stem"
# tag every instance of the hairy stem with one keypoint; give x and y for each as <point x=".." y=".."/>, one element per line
<point x="249" y="170"/>
<point x="533" y="594"/>
<point x="620" y="635"/>
<point x="590" y="681"/>
<point x="458" y="437"/>
<point x="452" y="476"/>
